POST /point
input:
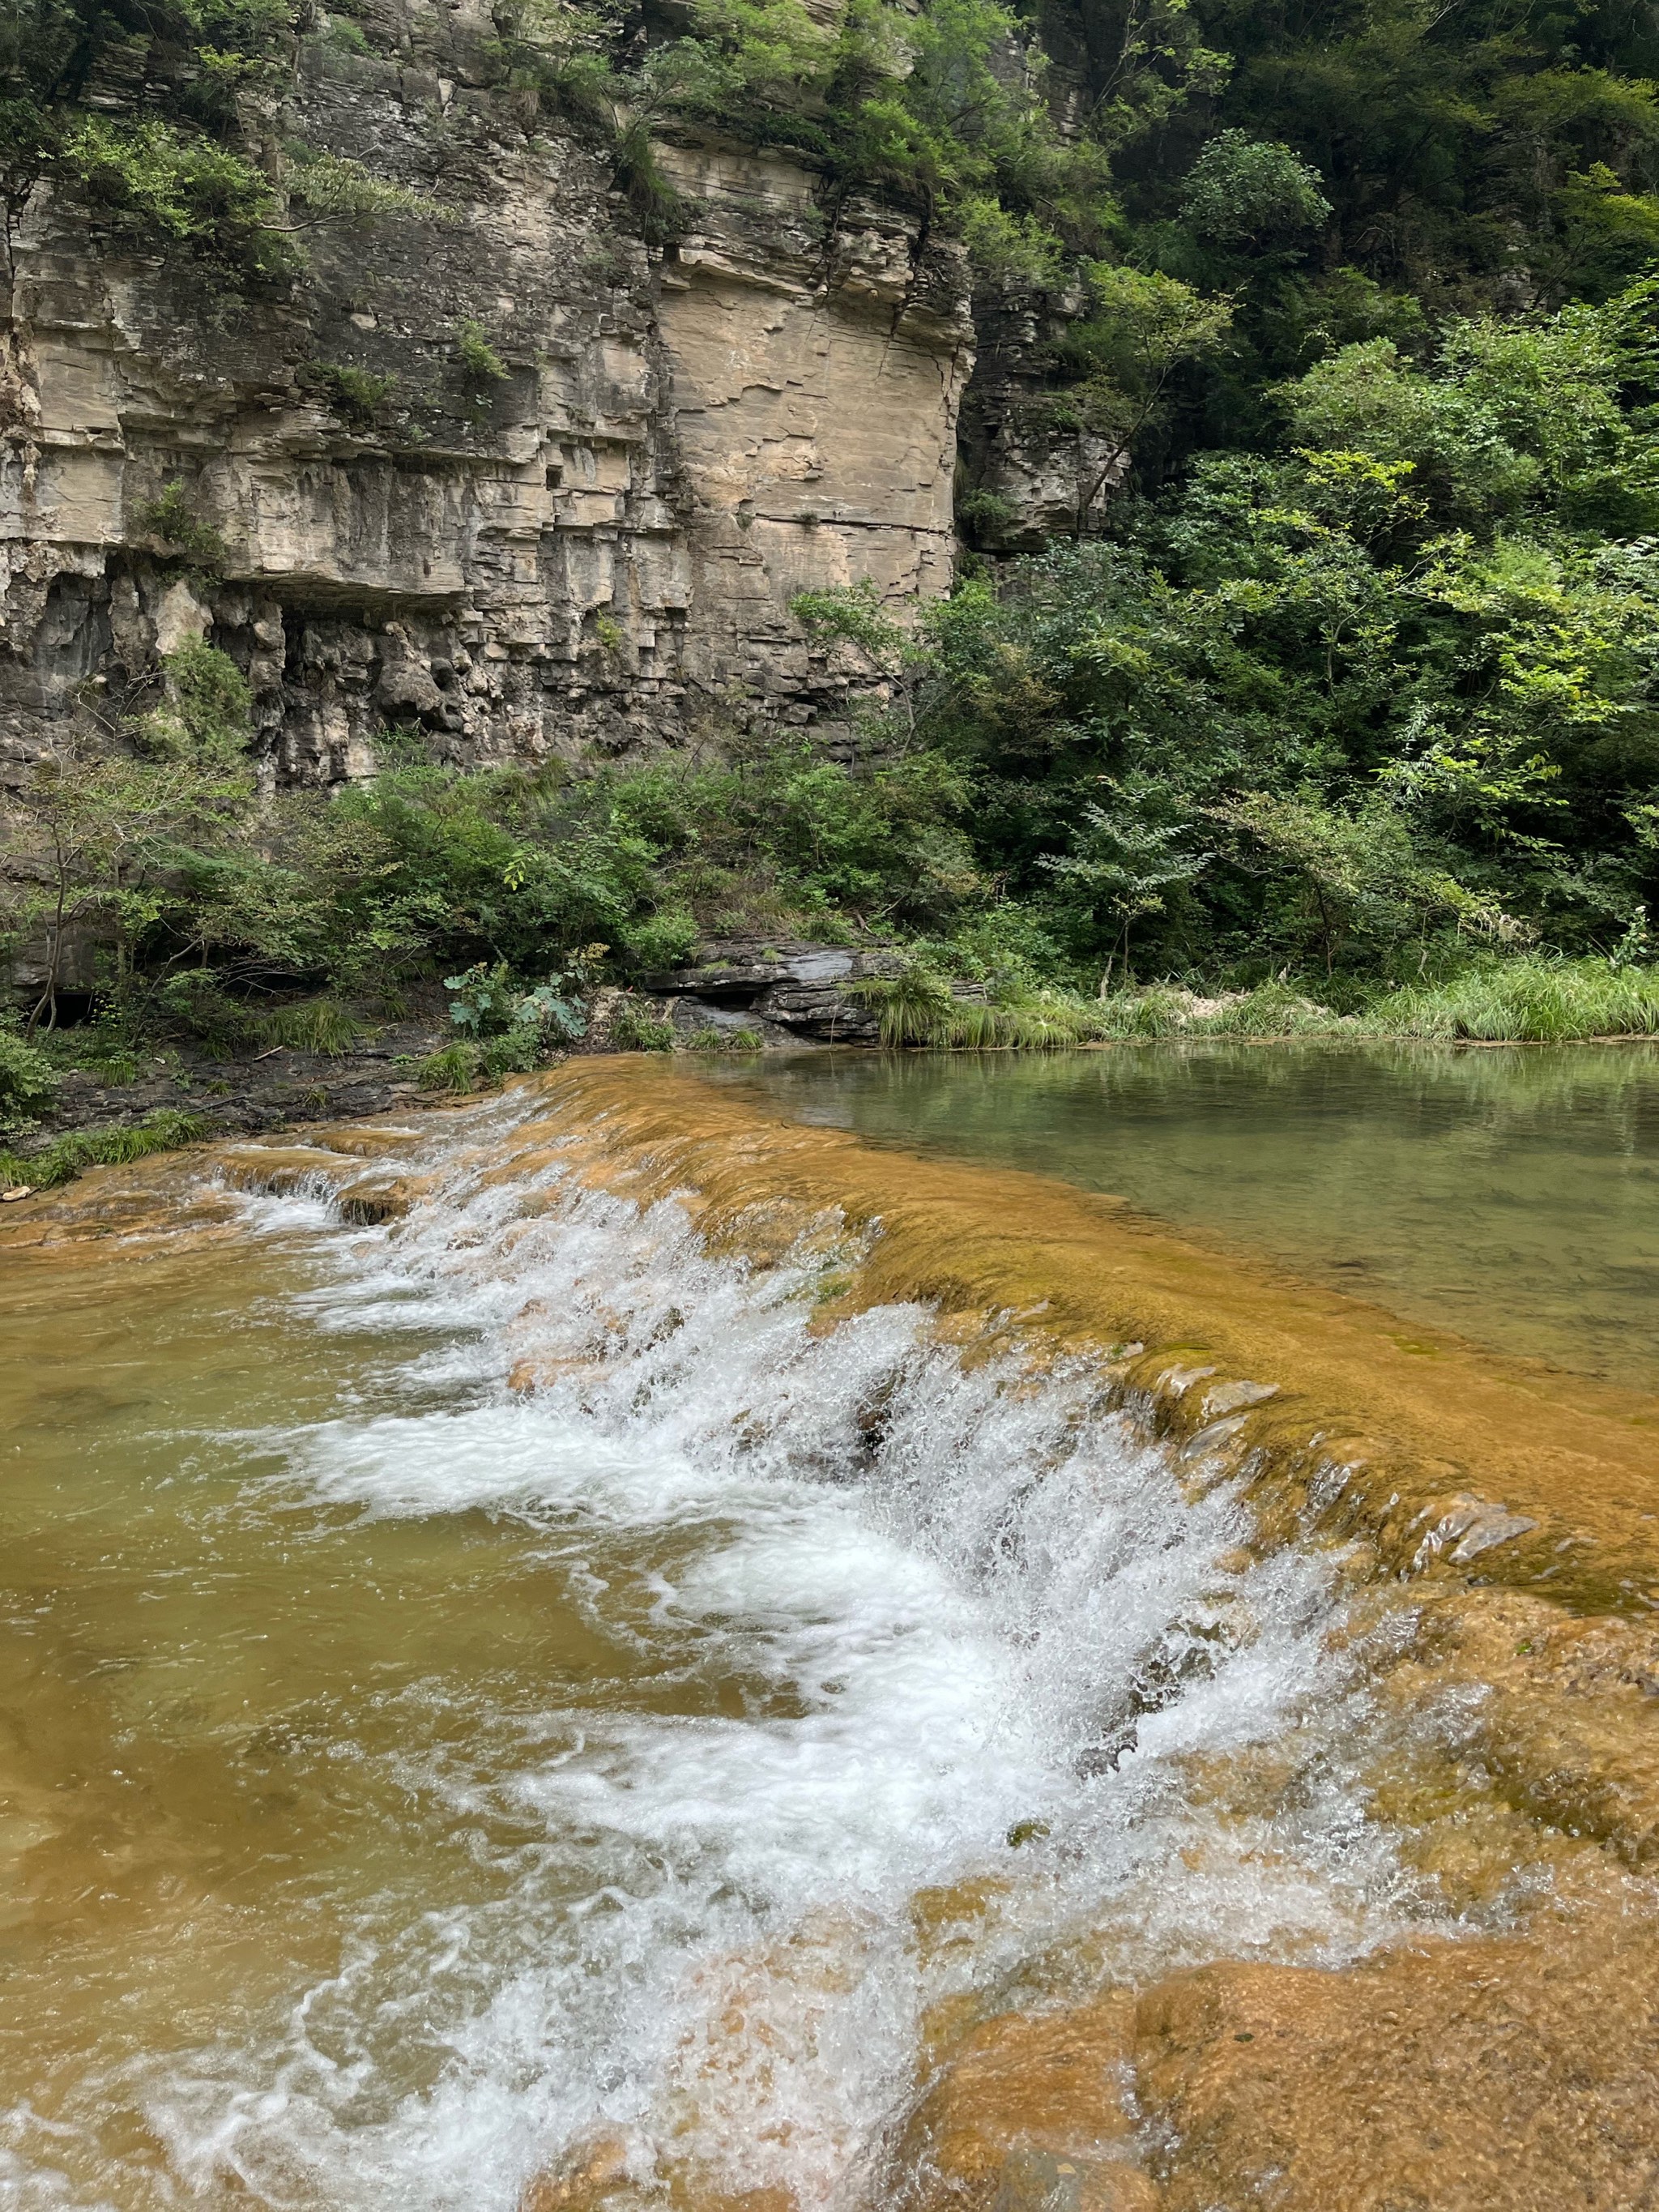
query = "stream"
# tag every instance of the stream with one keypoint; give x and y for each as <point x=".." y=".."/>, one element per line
<point x="408" y="1781"/>
<point x="1510" y="1194"/>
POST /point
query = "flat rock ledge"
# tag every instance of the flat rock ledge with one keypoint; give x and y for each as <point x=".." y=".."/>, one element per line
<point x="783" y="992"/>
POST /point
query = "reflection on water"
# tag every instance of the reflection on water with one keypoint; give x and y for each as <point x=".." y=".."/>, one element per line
<point x="1512" y="1196"/>
<point x="403" y="1782"/>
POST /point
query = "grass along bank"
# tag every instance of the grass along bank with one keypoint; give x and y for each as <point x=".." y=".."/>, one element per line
<point x="65" y="1157"/>
<point x="1522" y="1000"/>
<point x="325" y="1056"/>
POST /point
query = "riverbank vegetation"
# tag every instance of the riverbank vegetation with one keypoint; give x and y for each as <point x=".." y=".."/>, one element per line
<point x="1343" y="720"/>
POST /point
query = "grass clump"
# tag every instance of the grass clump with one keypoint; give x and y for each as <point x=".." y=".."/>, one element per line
<point x="454" y="1068"/>
<point x="470" y="1064"/>
<point x="915" y="1007"/>
<point x="1271" y="1010"/>
<point x="1527" y="1000"/>
<point x="634" y="1027"/>
<point x="919" y="1008"/>
<point x="65" y="1157"/>
<point x="318" y="1025"/>
<point x="715" y="1040"/>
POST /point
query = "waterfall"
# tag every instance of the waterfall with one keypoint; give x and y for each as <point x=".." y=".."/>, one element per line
<point x="899" y="1672"/>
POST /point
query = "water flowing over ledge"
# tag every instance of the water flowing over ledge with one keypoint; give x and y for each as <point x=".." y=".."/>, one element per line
<point x="1006" y="1724"/>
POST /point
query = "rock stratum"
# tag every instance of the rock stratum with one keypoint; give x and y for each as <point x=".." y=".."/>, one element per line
<point x="588" y="545"/>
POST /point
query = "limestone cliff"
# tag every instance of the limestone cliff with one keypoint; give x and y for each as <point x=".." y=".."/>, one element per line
<point x="594" y="548"/>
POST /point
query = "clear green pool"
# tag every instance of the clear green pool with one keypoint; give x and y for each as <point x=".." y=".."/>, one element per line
<point x="1511" y="1195"/>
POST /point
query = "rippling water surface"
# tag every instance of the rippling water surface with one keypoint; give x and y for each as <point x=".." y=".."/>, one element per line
<point x="406" y="1780"/>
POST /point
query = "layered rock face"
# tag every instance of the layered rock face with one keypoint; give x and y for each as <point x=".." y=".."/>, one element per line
<point x="592" y="551"/>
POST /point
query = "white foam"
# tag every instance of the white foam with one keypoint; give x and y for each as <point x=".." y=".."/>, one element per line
<point x="960" y="1606"/>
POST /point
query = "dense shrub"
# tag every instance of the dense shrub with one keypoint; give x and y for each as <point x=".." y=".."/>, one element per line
<point x="27" y="1083"/>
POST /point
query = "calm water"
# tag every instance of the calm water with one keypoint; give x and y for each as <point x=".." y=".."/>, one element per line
<point x="1512" y="1196"/>
<point x="404" y="1784"/>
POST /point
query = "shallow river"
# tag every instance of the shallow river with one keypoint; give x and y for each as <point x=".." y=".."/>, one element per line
<point x="406" y="1781"/>
<point x="1511" y="1194"/>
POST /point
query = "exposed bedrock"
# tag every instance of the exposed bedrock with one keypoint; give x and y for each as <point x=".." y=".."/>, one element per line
<point x="594" y="550"/>
<point x="780" y="991"/>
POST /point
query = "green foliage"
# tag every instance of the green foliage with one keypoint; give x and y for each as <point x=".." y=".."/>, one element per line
<point x="985" y="515"/>
<point x="113" y="826"/>
<point x="551" y="1012"/>
<point x="319" y="1025"/>
<point x="359" y="396"/>
<point x="328" y="189"/>
<point x="1271" y="1010"/>
<point x="1345" y="872"/>
<point x="483" y="1001"/>
<point x="141" y="114"/>
<point x="204" y="725"/>
<point x="468" y="1065"/>
<point x="1244" y="193"/>
<point x="478" y="359"/>
<point x="1367" y="705"/>
<point x="150" y="181"/>
<point x="634" y="1027"/>
<point x="1147" y="328"/>
<point x="456" y="1067"/>
<point x="852" y="615"/>
<point x="717" y="1040"/>
<point x="918" y="1006"/>
<point x="512" y="1029"/>
<point x="171" y="519"/>
<point x="28" y="1083"/>
<point x="943" y="107"/>
<point x="657" y="212"/>
<point x="65" y="1157"/>
<point x="913" y="1007"/>
<point x="1530" y="999"/>
<point x="104" y="1049"/>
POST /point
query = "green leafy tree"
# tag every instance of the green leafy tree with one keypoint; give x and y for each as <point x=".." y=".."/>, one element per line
<point x="1128" y="863"/>
<point x="1144" y="328"/>
<point x="106" y="816"/>
<point x="1251" y="193"/>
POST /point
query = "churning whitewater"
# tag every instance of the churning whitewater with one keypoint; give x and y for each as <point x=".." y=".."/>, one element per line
<point x="895" y="1621"/>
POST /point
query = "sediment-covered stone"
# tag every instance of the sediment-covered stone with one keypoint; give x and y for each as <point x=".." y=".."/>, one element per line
<point x="1499" y="2075"/>
<point x="1032" y="2111"/>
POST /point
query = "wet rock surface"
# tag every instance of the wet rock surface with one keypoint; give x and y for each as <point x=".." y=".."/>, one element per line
<point x="1496" y="2074"/>
<point x="270" y="1091"/>
<point x="1520" y="2074"/>
<point x="1033" y="2112"/>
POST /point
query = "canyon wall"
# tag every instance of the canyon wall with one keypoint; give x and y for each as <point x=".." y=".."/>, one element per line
<point x="583" y="545"/>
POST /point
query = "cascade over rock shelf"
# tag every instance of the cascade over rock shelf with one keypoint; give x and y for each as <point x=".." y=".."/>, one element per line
<point x="1495" y="2051"/>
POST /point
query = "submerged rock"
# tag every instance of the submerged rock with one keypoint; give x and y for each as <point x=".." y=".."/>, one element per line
<point x="1504" y="2074"/>
<point x="1032" y="2112"/>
